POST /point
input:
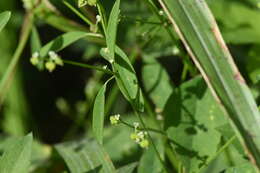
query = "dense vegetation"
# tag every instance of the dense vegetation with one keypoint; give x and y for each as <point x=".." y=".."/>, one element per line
<point x="130" y="86"/>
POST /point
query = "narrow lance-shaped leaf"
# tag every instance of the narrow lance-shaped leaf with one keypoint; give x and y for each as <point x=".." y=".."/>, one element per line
<point x="17" y="156"/>
<point x="199" y="32"/>
<point x="112" y="30"/>
<point x="4" y="18"/>
<point x="64" y="40"/>
<point x="35" y="41"/>
<point x="99" y="113"/>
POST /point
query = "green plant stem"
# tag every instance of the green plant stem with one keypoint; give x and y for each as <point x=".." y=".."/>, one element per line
<point x="10" y="72"/>
<point x="217" y="153"/>
<point x="169" y="151"/>
<point x="78" y="13"/>
<point x="160" y="17"/>
<point x="149" y="129"/>
<point x="103" y="17"/>
<point x="89" y="66"/>
<point x="152" y="142"/>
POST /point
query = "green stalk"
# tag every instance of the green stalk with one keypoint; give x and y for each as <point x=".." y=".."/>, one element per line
<point x="88" y="66"/>
<point x="78" y="13"/>
<point x="197" y="28"/>
<point x="9" y="74"/>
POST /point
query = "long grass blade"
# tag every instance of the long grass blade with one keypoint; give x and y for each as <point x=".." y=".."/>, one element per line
<point x="198" y="30"/>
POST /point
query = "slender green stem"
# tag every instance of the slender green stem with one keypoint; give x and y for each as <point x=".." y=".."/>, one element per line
<point x="89" y="66"/>
<point x="149" y="129"/>
<point x="78" y="13"/>
<point x="103" y="17"/>
<point x="217" y="153"/>
<point x="9" y="74"/>
<point x="155" y="10"/>
<point x="151" y="139"/>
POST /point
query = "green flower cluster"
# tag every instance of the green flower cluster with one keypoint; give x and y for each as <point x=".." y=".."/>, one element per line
<point x="139" y="136"/>
<point x="114" y="119"/>
<point x="50" y="63"/>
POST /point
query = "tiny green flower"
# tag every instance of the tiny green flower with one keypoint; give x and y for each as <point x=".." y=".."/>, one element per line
<point x="50" y="66"/>
<point x="82" y="3"/>
<point x="136" y="125"/>
<point x="92" y="2"/>
<point x="114" y="119"/>
<point x="133" y="136"/>
<point x="35" y="58"/>
<point x="55" y="57"/>
<point x="144" y="143"/>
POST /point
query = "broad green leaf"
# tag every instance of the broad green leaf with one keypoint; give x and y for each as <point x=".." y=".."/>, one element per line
<point x="157" y="83"/>
<point x="192" y="128"/>
<point x="17" y="156"/>
<point x="85" y="156"/>
<point x="99" y="113"/>
<point x="128" y="168"/>
<point x="112" y="30"/>
<point x="63" y="41"/>
<point x="244" y="168"/>
<point x="35" y="40"/>
<point x="200" y="34"/>
<point x="4" y="18"/>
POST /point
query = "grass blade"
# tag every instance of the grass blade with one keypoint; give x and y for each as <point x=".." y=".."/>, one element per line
<point x="4" y="18"/>
<point x="199" y="32"/>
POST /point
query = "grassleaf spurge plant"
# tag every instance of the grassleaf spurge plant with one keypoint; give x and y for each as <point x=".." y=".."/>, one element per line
<point x="159" y="91"/>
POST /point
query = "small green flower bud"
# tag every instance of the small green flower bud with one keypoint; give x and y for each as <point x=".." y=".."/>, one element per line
<point x="114" y="119"/>
<point x="92" y="2"/>
<point x="35" y="58"/>
<point x="82" y="3"/>
<point x="144" y="143"/>
<point x="50" y="66"/>
<point x="133" y="136"/>
<point x="57" y="60"/>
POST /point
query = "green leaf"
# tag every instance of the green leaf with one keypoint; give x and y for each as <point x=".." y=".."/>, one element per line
<point x="199" y="32"/>
<point x="192" y="128"/>
<point x="85" y="156"/>
<point x="35" y="41"/>
<point x="112" y="30"/>
<point x="99" y="113"/>
<point x="127" y="80"/>
<point x="157" y="83"/>
<point x="4" y="18"/>
<point x="17" y="156"/>
<point x="244" y="168"/>
<point x="63" y="41"/>
<point x="127" y="168"/>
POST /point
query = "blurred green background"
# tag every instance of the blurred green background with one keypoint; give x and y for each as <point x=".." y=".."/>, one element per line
<point x="57" y="106"/>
